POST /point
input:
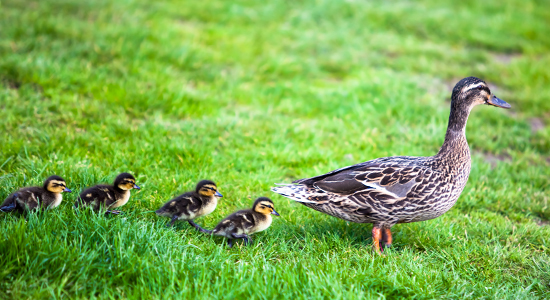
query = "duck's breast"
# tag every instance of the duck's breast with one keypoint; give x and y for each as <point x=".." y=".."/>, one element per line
<point x="57" y="200"/>
<point x="123" y="200"/>
<point x="262" y="224"/>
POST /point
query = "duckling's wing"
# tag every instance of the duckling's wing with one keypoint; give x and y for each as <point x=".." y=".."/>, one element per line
<point x="188" y="203"/>
<point x="29" y="198"/>
<point x="247" y="220"/>
<point x="238" y="222"/>
<point x="96" y="196"/>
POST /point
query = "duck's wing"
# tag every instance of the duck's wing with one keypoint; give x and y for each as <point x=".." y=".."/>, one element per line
<point x="30" y="198"/>
<point x="185" y="204"/>
<point x="386" y="179"/>
<point x="238" y="222"/>
<point x="96" y="196"/>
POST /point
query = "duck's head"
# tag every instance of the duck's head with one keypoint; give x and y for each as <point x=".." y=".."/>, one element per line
<point x="56" y="184"/>
<point x="126" y="182"/>
<point x="472" y="91"/>
<point x="207" y="188"/>
<point x="264" y="206"/>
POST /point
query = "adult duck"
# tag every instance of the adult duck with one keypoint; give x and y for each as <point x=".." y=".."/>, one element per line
<point x="400" y="189"/>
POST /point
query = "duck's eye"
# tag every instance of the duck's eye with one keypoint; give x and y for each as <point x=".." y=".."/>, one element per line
<point x="480" y="87"/>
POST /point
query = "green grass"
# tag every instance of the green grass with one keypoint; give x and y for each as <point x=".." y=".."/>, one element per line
<point x="250" y="93"/>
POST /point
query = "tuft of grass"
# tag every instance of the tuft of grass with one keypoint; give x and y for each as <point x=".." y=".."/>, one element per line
<point x="249" y="93"/>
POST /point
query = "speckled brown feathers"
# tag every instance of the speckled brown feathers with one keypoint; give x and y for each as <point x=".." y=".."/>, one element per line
<point x="243" y="223"/>
<point x="32" y="198"/>
<point x="400" y="189"/>
<point x="190" y="205"/>
<point x="108" y="196"/>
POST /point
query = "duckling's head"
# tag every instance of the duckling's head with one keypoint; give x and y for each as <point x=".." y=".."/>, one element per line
<point x="472" y="91"/>
<point x="264" y="206"/>
<point x="207" y="188"/>
<point x="126" y="182"/>
<point x="56" y="184"/>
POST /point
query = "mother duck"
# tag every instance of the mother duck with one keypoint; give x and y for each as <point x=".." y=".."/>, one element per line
<point x="400" y="189"/>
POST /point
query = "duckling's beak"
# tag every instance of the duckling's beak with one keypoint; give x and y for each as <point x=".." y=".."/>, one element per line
<point x="275" y="213"/>
<point x="66" y="190"/>
<point x="494" y="101"/>
<point x="218" y="194"/>
<point x="136" y="187"/>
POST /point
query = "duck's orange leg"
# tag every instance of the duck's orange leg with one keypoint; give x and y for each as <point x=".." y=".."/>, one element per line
<point x="376" y="237"/>
<point x="386" y="237"/>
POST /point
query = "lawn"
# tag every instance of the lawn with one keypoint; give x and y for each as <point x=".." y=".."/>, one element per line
<point x="252" y="93"/>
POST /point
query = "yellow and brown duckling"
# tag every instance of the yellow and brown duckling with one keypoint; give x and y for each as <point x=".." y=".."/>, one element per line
<point x="35" y="197"/>
<point x="243" y="223"/>
<point x="191" y="205"/>
<point x="109" y="196"/>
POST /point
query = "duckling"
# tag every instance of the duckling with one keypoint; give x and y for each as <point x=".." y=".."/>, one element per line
<point x="243" y="223"/>
<point x="191" y="205"/>
<point x="31" y="198"/>
<point x="109" y="196"/>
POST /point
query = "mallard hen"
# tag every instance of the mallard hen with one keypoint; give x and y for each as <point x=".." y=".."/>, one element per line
<point x="400" y="189"/>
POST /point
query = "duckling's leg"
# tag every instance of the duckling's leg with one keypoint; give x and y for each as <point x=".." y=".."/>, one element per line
<point x="230" y="243"/>
<point x="8" y="207"/>
<point x="246" y="238"/>
<point x="199" y="228"/>
<point x="376" y="237"/>
<point x="174" y="218"/>
<point x="11" y="206"/>
<point x="386" y="238"/>
<point x="114" y="212"/>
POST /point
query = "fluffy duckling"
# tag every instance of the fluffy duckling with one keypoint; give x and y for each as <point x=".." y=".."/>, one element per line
<point x="243" y="223"/>
<point x="35" y="197"/>
<point x="191" y="205"/>
<point x="109" y="196"/>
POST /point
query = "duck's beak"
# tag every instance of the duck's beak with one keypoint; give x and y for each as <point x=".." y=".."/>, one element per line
<point x="494" y="101"/>
<point x="66" y="190"/>
<point x="275" y="213"/>
<point x="136" y="187"/>
<point x="218" y="194"/>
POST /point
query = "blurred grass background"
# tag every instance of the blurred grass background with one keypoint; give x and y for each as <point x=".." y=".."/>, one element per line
<point x="249" y="93"/>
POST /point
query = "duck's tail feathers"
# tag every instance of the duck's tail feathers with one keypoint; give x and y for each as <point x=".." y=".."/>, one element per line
<point x="296" y="192"/>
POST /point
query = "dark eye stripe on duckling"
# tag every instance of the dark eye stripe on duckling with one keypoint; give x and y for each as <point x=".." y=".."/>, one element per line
<point x="209" y="187"/>
<point x="266" y="206"/>
<point x="58" y="183"/>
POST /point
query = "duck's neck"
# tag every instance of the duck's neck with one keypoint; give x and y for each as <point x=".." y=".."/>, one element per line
<point x="455" y="138"/>
<point x="211" y="199"/>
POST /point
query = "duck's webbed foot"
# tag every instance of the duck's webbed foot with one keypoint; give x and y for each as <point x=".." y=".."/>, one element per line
<point x="9" y="207"/>
<point x="247" y="240"/>
<point x="113" y="212"/>
<point x="386" y="238"/>
<point x="376" y="237"/>
<point x="381" y="239"/>
<point x="199" y="228"/>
